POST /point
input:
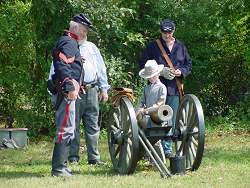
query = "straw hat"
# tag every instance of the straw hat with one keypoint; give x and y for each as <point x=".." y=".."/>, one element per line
<point x="151" y="69"/>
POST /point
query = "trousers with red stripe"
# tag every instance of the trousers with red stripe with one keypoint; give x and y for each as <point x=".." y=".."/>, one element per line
<point x="65" y="130"/>
<point x="65" y="122"/>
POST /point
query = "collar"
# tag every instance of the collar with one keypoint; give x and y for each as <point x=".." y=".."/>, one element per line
<point x="157" y="81"/>
<point x="172" y="40"/>
<point x="164" y="43"/>
<point x="72" y="35"/>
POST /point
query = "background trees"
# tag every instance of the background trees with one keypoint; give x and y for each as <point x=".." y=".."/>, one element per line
<point x="216" y="33"/>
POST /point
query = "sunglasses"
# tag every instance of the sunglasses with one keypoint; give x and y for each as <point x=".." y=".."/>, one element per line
<point x="167" y="32"/>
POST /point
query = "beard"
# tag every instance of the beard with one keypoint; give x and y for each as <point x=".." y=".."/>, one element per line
<point x="80" y="42"/>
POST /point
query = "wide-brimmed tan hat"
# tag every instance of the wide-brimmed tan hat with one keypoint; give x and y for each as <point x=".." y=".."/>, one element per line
<point x="151" y="69"/>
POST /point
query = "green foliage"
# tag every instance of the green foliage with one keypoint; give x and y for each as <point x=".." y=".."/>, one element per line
<point x="216" y="33"/>
<point x="16" y="56"/>
<point x="116" y="69"/>
<point x="216" y="37"/>
<point x="240" y="114"/>
<point x="238" y="118"/>
<point x="113" y="31"/>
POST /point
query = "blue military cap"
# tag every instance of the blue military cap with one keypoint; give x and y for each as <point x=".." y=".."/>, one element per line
<point x="167" y="26"/>
<point x="82" y="19"/>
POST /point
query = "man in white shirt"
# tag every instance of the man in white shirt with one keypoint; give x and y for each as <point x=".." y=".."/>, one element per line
<point x="95" y="78"/>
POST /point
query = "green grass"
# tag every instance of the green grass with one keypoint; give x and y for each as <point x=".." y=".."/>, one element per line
<point x="226" y="163"/>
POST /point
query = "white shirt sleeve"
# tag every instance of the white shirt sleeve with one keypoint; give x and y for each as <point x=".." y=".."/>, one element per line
<point x="102" y="80"/>
<point x="52" y="71"/>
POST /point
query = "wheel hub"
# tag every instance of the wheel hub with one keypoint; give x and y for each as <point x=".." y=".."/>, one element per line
<point x="183" y="131"/>
<point x="117" y="137"/>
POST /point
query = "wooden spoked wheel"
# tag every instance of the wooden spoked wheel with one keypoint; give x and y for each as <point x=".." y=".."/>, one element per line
<point x="123" y="138"/>
<point x="190" y="127"/>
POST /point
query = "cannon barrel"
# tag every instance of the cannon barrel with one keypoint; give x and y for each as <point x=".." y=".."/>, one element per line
<point x="161" y="114"/>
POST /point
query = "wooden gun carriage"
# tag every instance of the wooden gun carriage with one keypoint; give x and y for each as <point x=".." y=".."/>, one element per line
<point x="128" y="141"/>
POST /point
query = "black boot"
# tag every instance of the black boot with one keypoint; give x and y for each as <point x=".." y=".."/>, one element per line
<point x="59" y="161"/>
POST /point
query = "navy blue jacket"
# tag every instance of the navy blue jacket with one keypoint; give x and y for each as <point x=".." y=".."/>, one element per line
<point x="69" y="47"/>
<point x="179" y="57"/>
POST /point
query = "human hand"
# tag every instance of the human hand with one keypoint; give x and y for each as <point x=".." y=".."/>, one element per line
<point x="168" y="73"/>
<point x="103" y="96"/>
<point x="73" y="95"/>
<point x="177" y="72"/>
<point x="139" y="113"/>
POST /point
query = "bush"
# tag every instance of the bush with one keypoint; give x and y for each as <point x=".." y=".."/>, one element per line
<point x="16" y="56"/>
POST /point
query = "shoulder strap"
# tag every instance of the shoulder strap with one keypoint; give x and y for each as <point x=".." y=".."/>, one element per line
<point x="170" y="64"/>
<point x="165" y="55"/>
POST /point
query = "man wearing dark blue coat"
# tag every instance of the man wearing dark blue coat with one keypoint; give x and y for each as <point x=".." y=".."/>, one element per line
<point x="68" y="73"/>
<point x="178" y="54"/>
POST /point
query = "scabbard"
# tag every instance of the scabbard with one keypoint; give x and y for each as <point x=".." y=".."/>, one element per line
<point x="59" y="99"/>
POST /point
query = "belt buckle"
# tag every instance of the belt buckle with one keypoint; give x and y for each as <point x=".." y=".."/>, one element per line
<point x="88" y="86"/>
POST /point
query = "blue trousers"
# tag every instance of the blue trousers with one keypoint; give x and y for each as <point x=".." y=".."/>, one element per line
<point x="173" y="102"/>
<point x="65" y="128"/>
<point x="65" y="122"/>
<point x="87" y="110"/>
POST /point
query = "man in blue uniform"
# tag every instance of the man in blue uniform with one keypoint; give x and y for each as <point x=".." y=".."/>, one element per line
<point x="93" y="88"/>
<point x="182" y="64"/>
<point x="68" y="72"/>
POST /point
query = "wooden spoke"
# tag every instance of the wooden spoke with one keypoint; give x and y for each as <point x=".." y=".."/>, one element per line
<point x="194" y="141"/>
<point x="124" y="147"/>
<point x="191" y="126"/>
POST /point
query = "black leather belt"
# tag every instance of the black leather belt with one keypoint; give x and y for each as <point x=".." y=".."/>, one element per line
<point x="88" y="86"/>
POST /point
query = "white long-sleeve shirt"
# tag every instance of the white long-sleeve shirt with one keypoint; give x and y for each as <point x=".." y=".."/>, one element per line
<point x="94" y="67"/>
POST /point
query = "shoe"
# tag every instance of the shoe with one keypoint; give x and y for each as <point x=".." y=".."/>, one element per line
<point x="65" y="172"/>
<point x="168" y="155"/>
<point x="96" y="162"/>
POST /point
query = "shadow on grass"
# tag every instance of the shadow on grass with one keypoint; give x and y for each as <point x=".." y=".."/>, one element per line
<point x="232" y="156"/>
<point x="99" y="171"/>
<point x="27" y="163"/>
<point x="108" y="170"/>
<point x="15" y="175"/>
<point x="23" y="169"/>
<point x="40" y="168"/>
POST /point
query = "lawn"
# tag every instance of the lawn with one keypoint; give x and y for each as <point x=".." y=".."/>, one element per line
<point x="226" y="163"/>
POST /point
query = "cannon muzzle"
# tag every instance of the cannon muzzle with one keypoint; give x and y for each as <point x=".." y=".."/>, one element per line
<point x="161" y="114"/>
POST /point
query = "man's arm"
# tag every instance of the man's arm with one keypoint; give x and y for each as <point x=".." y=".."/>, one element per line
<point x="186" y="67"/>
<point x="63" y="70"/>
<point x="64" y="55"/>
<point x="102" y="81"/>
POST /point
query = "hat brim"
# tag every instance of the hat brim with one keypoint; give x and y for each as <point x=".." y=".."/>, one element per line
<point x="145" y="76"/>
<point x="167" y="30"/>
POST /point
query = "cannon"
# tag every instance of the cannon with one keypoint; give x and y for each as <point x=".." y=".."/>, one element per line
<point x="128" y="141"/>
